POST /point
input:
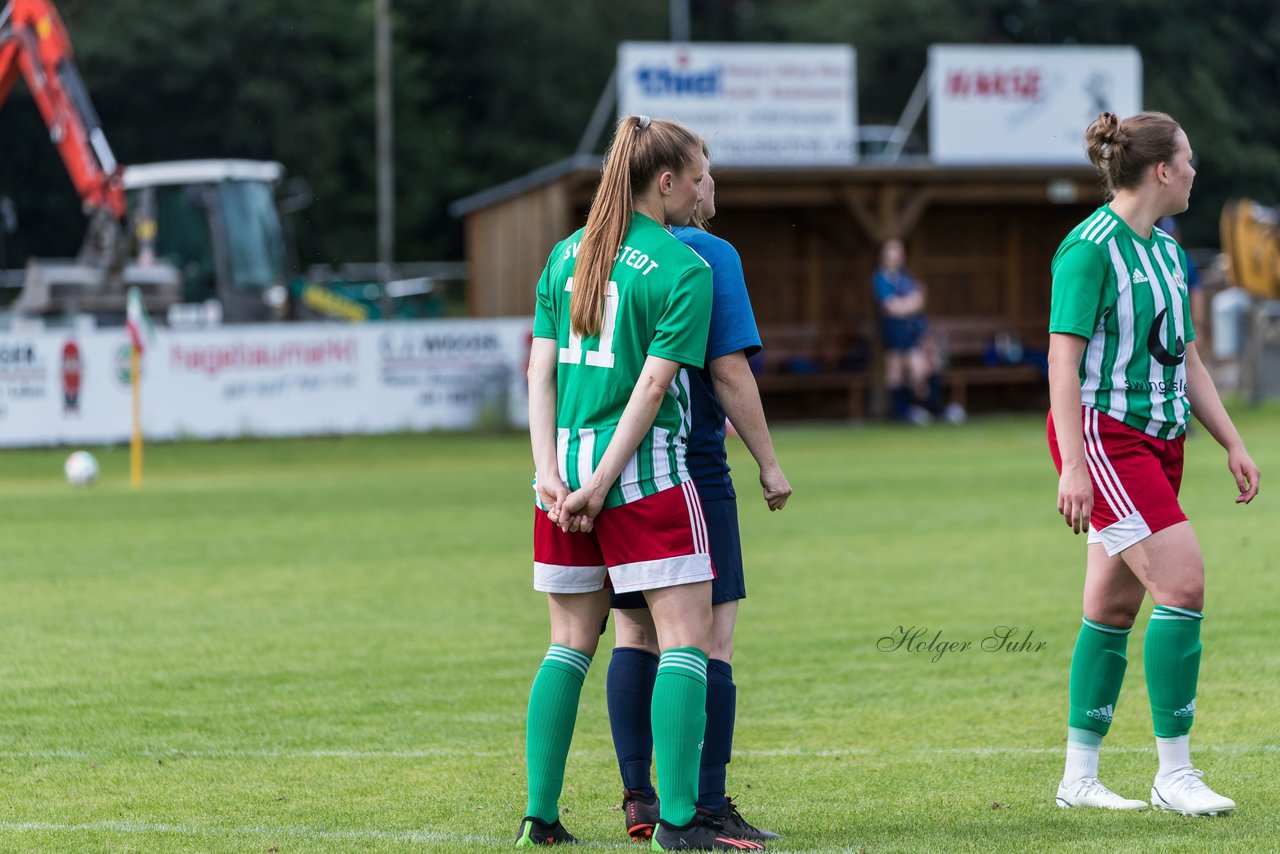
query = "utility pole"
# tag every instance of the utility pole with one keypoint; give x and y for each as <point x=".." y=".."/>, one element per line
<point x="386" y="165"/>
<point x="679" y="12"/>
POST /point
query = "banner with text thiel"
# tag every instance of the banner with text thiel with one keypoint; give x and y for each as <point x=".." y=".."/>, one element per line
<point x="755" y="104"/>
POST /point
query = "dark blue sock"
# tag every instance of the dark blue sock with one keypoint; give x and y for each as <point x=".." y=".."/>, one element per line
<point x="900" y="401"/>
<point x="629" y="690"/>
<point x="717" y="744"/>
<point x="933" y="400"/>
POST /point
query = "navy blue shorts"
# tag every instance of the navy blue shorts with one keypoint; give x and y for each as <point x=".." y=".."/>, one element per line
<point x="726" y="556"/>
<point x="903" y="333"/>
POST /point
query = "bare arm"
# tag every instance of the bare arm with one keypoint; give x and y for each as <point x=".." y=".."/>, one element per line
<point x="905" y="306"/>
<point x="646" y="398"/>
<point x="544" y="355"/>
<point x="736" y="389"/>
<point x="1208" y="409"/>
<point x="1075" y="489"/>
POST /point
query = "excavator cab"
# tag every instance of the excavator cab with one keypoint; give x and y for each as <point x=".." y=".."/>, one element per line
<point x="217" y="223"/>
<point x="201" y="240"/>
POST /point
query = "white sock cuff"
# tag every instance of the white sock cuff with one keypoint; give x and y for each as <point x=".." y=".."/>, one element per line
<point x="1174" y="754"/>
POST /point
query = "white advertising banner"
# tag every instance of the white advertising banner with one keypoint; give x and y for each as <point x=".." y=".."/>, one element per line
<point x="64" y="386"/>
<point x="1025" y="105"/>
<point x="755" y="104"/>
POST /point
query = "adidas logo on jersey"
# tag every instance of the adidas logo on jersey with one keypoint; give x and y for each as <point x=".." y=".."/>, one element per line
<point x="1187" y="711"/>
<point x="1138" y="277"/>
<point x="1103" y="714"/>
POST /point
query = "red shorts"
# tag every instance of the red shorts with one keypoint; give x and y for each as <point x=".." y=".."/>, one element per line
<point x="1135" y="480"/>
<point x="658" y="541"/>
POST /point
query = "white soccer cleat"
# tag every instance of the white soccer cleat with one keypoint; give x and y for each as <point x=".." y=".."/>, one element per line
<point x="1184" y="792"/>
<point x="919" y="416"/>
<point x="1089" y="792"/>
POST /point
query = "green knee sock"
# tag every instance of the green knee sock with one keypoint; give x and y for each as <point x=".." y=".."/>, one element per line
<point x="1172" y="660"/>
<point x="679" y="720"/>
<point x="553" y="710"/>
<point x="1097" y="671"/>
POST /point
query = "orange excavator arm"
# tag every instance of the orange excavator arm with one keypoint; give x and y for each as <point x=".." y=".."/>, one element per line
<point x="35" y="45"/>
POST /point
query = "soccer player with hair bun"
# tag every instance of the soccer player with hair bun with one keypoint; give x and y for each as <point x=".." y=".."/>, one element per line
<point x="622" y="307"/>
<point x="1124" y="378"/>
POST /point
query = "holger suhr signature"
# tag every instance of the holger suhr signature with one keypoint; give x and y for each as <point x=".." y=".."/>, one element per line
<point x="918" y="639"/>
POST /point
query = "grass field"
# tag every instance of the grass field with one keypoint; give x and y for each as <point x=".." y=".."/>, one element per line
<point x="327" y="645"/>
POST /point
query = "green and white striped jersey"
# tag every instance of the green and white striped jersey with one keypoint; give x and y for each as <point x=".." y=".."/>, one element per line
<point x="658" y="304"/>
<point x="1128" y="296"/>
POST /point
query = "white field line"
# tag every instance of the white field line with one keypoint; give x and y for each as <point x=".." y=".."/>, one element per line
<point x="425" y="837"/>
<point x="135" y="827"/>
<point x="459" y="752"/>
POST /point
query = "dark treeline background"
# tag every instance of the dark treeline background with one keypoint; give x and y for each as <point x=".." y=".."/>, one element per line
<point x="486" y="90"/>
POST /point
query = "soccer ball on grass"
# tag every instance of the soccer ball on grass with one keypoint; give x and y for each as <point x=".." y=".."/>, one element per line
<point x="81" y="469"/>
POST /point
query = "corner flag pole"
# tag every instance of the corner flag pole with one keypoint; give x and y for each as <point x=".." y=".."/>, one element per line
<point x="138" y="325"/>
<point x="135" y="438"/>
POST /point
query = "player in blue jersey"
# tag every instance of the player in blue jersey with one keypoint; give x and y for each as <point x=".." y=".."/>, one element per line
<point x="912" y="367"/>
<point x="725" y="386"/>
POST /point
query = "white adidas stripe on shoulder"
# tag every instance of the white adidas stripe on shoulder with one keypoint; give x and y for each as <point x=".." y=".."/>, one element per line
<point x="1099" y="228"/>
<point x="1106" y="231"/>
<point x="1093" y="222"/>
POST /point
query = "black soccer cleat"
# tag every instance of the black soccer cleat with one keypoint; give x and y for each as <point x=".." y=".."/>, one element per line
<point x="640" y="814"/>
<point x="535" y="831"/>
<point x="737" y="826"/>
<point x="703" y="833"/>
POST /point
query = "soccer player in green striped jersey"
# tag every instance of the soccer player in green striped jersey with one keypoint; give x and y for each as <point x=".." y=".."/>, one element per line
<point x="1124" y="377"/>
<point x="622" y="308"/>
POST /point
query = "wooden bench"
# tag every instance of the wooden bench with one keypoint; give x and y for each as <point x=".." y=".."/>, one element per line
<point x="810" y="372"/>
<point x="805" y="371"/>
<point x="966" y="342"/>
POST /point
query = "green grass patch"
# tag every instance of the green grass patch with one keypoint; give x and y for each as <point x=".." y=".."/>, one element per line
<point x="327" y="645"/>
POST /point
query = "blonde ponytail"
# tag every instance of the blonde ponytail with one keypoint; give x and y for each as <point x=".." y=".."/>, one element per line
<point x="641" y="148"/>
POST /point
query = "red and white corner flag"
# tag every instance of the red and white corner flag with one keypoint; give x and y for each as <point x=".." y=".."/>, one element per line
<point x="136" y="322"/>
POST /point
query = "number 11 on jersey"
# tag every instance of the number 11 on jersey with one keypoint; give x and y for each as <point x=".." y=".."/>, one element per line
<point x="602" y="357"/>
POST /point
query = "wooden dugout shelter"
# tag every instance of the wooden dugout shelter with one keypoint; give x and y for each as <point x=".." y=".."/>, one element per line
<point x="980" y="238"/>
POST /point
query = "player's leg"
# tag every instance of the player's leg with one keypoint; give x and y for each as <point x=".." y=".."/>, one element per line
<point x="682" y="615"/>
<point x="659" y="545"/>
<point x="895" y="378"/>
<point x="570" y="570"/>
<point x="1112" y="597"/>
<point x="1171" y="565"/>
<point x="727" y="590"/>
<point x="1141" y="475"/>
<point x="722" y="701"/>
<point x="633" y="668"/>
<point x="916" y="379"/>
<point x="953" y="412"/>
<point x="926" y="381"/>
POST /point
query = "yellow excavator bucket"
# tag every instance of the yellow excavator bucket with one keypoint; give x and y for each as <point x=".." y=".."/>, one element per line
<point x="1251" y="240"/>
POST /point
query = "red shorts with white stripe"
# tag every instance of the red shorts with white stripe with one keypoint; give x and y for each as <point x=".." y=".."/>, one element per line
<point x="1135" y="480"/>
<point x="658" y="541"/>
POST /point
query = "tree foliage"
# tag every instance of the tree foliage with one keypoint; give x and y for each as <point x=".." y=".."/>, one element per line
<point x="487" y="90"/>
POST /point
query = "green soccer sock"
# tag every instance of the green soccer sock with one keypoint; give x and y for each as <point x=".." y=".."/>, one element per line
<point x="1172" y="660"/>
<point x="679" y="720"/>
<point x="1097" y="672"/>
<point x="553" y="710"/>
